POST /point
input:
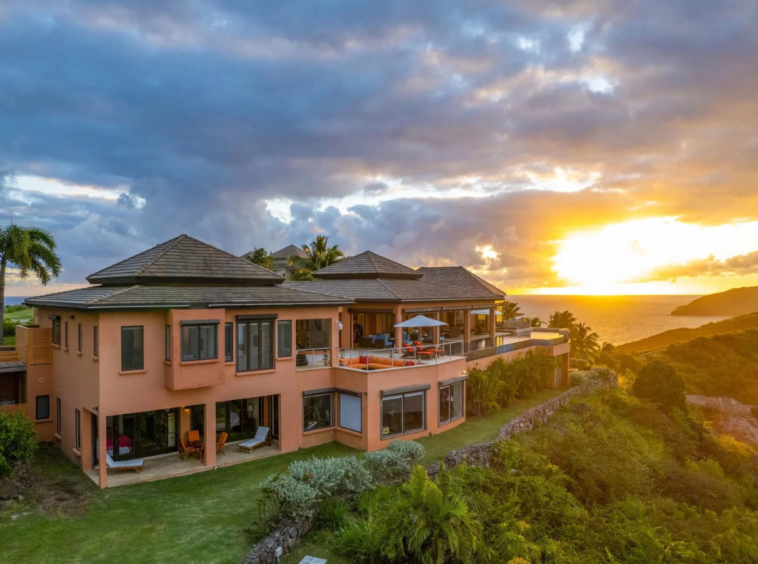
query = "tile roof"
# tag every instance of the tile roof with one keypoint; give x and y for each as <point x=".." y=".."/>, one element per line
<point x="184" y="260"/>
<point x="459" y="277"/>
<point x="164" y="296"/>
<point x="288" y="251"/>
<point x="366" y="265"/>
<point x="392" y="290"/>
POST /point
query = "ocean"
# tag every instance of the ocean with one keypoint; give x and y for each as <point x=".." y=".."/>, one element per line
<point x="617" y="319"/>
<point x="12" y="300"/>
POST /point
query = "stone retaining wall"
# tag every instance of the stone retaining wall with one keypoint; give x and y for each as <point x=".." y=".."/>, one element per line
<point x="288" y="534"/>
<point x="480" y="454"/>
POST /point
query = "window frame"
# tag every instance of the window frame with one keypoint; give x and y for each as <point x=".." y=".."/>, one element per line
<point x="229" y="341"/>
<point x="248" y="323"/>
<point x="96" y="341"/>
<point x="280" y="323"/>
<point x="78" y="429"/>
<point x="79" y="336"/>
<point x="451" y="399"/>
<point x="58" y="422"/>
<point x="142" y="348"/>
<point x="331" y="411"/>
<point x="65" y="335"/>
<point x="56" y="329"/>
<point x="360" y="421"/>
<point x="199" y="326"/>
<point x="37" y="407"/>
<point x="424" y="412"/>
<point x="168" y="343"/>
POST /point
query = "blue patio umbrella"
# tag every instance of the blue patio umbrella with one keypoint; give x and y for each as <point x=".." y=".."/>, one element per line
<point x="420" y="321"/>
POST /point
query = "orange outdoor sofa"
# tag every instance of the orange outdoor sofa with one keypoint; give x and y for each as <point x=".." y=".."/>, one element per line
<point x="375" y="362"/>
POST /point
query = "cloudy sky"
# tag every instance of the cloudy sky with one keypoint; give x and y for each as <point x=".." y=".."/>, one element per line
<point x="553" y="146"/>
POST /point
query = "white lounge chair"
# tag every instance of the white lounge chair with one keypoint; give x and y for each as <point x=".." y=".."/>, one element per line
<point x="135" y="465"/>
<point x="261" y="438"/>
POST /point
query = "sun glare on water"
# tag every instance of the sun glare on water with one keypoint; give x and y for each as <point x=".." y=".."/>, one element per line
<point x="624" y="258"/>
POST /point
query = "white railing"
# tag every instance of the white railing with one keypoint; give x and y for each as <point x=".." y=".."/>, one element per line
<point x="311" y="359"/>
<point x="400" y="357"/>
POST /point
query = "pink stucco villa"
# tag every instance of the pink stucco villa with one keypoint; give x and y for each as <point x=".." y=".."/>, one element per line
<point x="185" y="340"/>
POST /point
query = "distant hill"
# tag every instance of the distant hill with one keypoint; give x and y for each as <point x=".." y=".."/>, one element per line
<point x="722" y="365"/>
<point x="741" y="323"/>
<point x="739" y="301"/>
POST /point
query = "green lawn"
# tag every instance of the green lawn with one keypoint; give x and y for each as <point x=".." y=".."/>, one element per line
<point x="19" y="317"/>
<point x="192" y="519"/>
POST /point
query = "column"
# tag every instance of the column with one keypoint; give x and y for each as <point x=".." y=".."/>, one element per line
<point x="467" y="326"/>
<point x="398" y="330"/>
<point x="209" y="438"/>
<point x="102" y="434"/>
<point x="493" y="321"/>
<point x="564" y="369"/>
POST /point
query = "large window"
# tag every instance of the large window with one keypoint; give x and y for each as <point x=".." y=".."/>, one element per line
<point x="65" y="335"/>
<point x="403" y="413"/>
<point x="455" y="320"/>
<point x="254" y="346"/>
<point x="79" y="338"/>
<point x="148" y="433"/>
<point x="132" y="357"/>
<point x="240" y="418"/>
<point x="78" y="428"/>
<point x="318" y="411"/>
<point x="373" y="329"/>
<point x="351" y="411"/>
<point x="424" y="334"/>
<point x="168" y="342"/>
<point x="56" y="329"/>
<point x="58" y="424"/>
<point x="95" y="341"/>
<point x="229" y="342"/>
<point x="313" y="333"/>
<point x="198" y="341"/>
<point x="43" y="408"/>
<point x="284" y="339"/>
<point x="451" y="402"/>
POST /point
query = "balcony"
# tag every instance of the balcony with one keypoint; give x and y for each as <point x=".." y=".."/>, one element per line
<point x="370" y="360"/>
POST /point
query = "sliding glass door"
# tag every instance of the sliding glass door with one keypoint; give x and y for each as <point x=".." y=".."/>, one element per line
<point x="136" y="435"/>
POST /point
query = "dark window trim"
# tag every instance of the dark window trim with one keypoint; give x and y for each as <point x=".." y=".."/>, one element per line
<point x="451" y="381"/>
<point x="229" y="341"/>
<point x="56" y="319"/>
<point x="249" y="320"/>
<point x="405" y="390"/>
<point x="37" y="409"/>
<point x="460" y="381"/>
<point x="142" y="364"/>
<point x="213" y="324"/>
<point x="58" y="423"/>
<point x="95" y="341"/>
<point x="255" y="317"/>
<point x="201" y="322"/>
<point x="381" y="415"/>
<point x="292" y="348"/>
<point x="331" y="411"/>
<point x="78" y="428"/>
<point x="79" y="329"/>
<point x="368" y="310"/>
<point x="168" y="342"/>
<point x="65" y="334"/>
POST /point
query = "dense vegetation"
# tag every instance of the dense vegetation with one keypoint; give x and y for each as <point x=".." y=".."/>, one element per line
<point x="18" y="440"/>
<point x="737" y="301"/>
<point x="615" y="478"/>
<point x="675" y="336"/>
<point x="722" y="365"/>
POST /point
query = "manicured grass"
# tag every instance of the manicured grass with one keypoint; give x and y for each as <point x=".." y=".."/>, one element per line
<point x="9" y="340"/>
<point x="479" y="429"/>
<point x="20" y="317"/>
<point x="199" y="518"/>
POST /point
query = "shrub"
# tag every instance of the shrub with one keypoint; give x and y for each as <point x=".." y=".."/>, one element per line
<point x="482" y="392"/>
<point x="9" y="327"/>
<point x="293" y="497"/>
<point x="395" y="461"/>
<point x="333" y="476"/>
<point x="597" y="373"/>
<point x="660" y="382"/>
<point x="331" y="514"/>
<point x="18" y="440"/>
<point x="361" y="541"/>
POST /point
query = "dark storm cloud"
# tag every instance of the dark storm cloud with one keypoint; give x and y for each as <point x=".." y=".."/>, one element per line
<point x="204" y="110"/>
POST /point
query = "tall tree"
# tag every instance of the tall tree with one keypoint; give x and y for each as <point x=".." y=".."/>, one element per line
<point x="535" y="322"/>
<point x="31" y="251"/>
<point x="562" y="320"/>
<point x="584" y="342"/>
<point x="511" y="310"/>
<point x="260" y="257"/>
<point x="320" y="255"/>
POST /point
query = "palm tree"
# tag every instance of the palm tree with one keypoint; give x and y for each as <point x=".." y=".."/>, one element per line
<point x="535" y="322"/>
<point x="562" y="320"/>
<point x="31" y="250"/>
<point x="260" y="257"/>
<point x="511" y="310"/>
<point x="320" y="255"/>
<point x="584" y="342"/>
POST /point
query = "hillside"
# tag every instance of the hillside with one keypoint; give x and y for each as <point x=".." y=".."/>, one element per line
<point x="741" y="323"/>
<point x="738" y="301"/>
<point x="722" y="365"/>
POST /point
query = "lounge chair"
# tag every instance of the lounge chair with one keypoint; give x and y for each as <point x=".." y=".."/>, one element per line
<point x="262" y="436"/>
<point x="221" y="442"/>
<point x="135" y="465"/>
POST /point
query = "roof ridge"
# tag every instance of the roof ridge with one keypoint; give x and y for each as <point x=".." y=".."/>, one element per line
<point x="370" y="255"/>
<point x="116" y="293"/>
<point x="169" y="245"/>
<point x="390" y="290"/>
